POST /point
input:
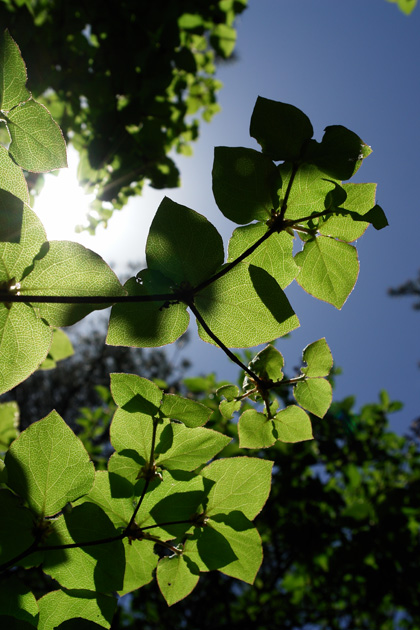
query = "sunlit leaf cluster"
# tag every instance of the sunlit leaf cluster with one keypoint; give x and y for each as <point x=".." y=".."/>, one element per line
<point x="169" y="502"/>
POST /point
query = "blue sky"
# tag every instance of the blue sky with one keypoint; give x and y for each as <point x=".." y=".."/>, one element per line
<point x="348" y="62"/>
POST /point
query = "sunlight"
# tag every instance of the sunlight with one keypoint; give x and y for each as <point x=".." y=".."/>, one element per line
<point x="62" y="204"/>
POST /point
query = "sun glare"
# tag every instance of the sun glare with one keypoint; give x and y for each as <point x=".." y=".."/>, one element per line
<point x="62" y="204"/>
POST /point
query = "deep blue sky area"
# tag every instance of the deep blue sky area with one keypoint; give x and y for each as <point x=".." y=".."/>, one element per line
<point x="353" y="63"/>
<point x="347" y="62"/>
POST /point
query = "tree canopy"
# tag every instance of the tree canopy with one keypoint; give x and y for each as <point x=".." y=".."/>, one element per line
<point x="127" y="85"/>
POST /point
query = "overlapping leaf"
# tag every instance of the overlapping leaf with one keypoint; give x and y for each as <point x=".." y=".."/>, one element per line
<point x="282" y="130"/>
<point x="146" y="324"/>
<point x="245" y="307"/>
<point x="48" y="465"/>
<point x="58" y="606"/>
<point x="328" y="269"/>
<point x="176" y="578"/>
<point x="183" y="245"/>
<point x="9" y="423"/>
<point x="37" y="142"/>
<point x="66" y="268"/>
<point x="245" y="184"/>
<point x="12" y="74"/>
<point x="274" y="255"/>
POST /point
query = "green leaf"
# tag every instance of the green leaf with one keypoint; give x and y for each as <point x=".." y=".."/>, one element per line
<point x="347" y="221"/>
<point x="17" y="600"/>
<point x="61" y="348"/>
<point x="24" y="343"/>
<point x="339" y="154"/>
<point x="406" y="6"/>
<point x="172" y="504"/>
<point x="245" y="307"/>
<point x="255" y="430"/>
<point x="95" y="567"/>
<point x="140" y="563"/>
<point x="24" y="338"/>
<point x="190" y="412"/>
<point x="67" y="268"/>
<point x="12" y="182"/>
<point x="244" y="184"/>
<point x="16" y="526"/>
<point x="58" y="606"/>
<point x="318" y="358"/>
<point x="282" y="130"/>
<point x="182" y="448"/>
<point x="9" y="424"/>
<point x="292" y="425"/>
<point x="267" y="364"/>
<point x="230" y="544"/>
<point x="223" y="38"/>
<point x="183" y="245"/>
<point x="12" y="74"/>
<point x="274" y="255"/>
<point x="37" y="142"/>
<point x="241" y="483"/>
<point x="228" y="407"/>
<point x="48" y="465"/>
<point x="146" y="324"/>
<point x="328" y="269"/>
<point x="16" y="257"/>
<point x="309" y="192"/>
<point x="134" y="393"/>
<point x="314" y="395"/>
<point x="177" y="577"/>
<point x="132" y="432"/>
<point x="230" y="392"/>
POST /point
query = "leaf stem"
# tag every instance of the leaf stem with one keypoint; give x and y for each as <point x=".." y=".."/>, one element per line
<point x="222" y="346"/>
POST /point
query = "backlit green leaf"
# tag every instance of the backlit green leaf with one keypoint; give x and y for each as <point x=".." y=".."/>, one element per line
<point x="12" y="74"/>
<point x="190" y="412"/>
<point x="241" y="483"/>
<point x="58" y="606"/>
<point x="292" y="425"/>
<point x="17" y="600"/>
<point x="35" y="465"/>
<point x="146" y="324"/>
<point x="339" y="154"/>
<point x="318" y="358"/>
<point x="309" y="192"/>
<point x="37" y="142"/>
<point x="12" y="180"/>
<point x="172" y="503"/>
<point x="61" y="348"/>
<point x="245" y="543"/>
<point x="24" y="344"/>
<point x="329" y="269"/>
<point x="9" y="423"/>
<point x="135" y="393"/>
<point x="67" y="268"/>
<point x="95" y="567"/>
<point x="245" y="307"/>
<point x="244" y="184"/>
<point x="274" y="255"/>
<point x="182" y="448"/>
<point x="255" y="430"/>
<point x="282" y="130"/>
<point x="267" y="364"/>
<point x="176" y="579"/>
<point x="16" y="526"/>
<point x="359" y="201"/>
<point x="182" y="244"/>
<point x="314" y="395"/>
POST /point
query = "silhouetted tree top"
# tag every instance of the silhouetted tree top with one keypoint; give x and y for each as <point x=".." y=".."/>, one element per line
<point x="127" y="81"/>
